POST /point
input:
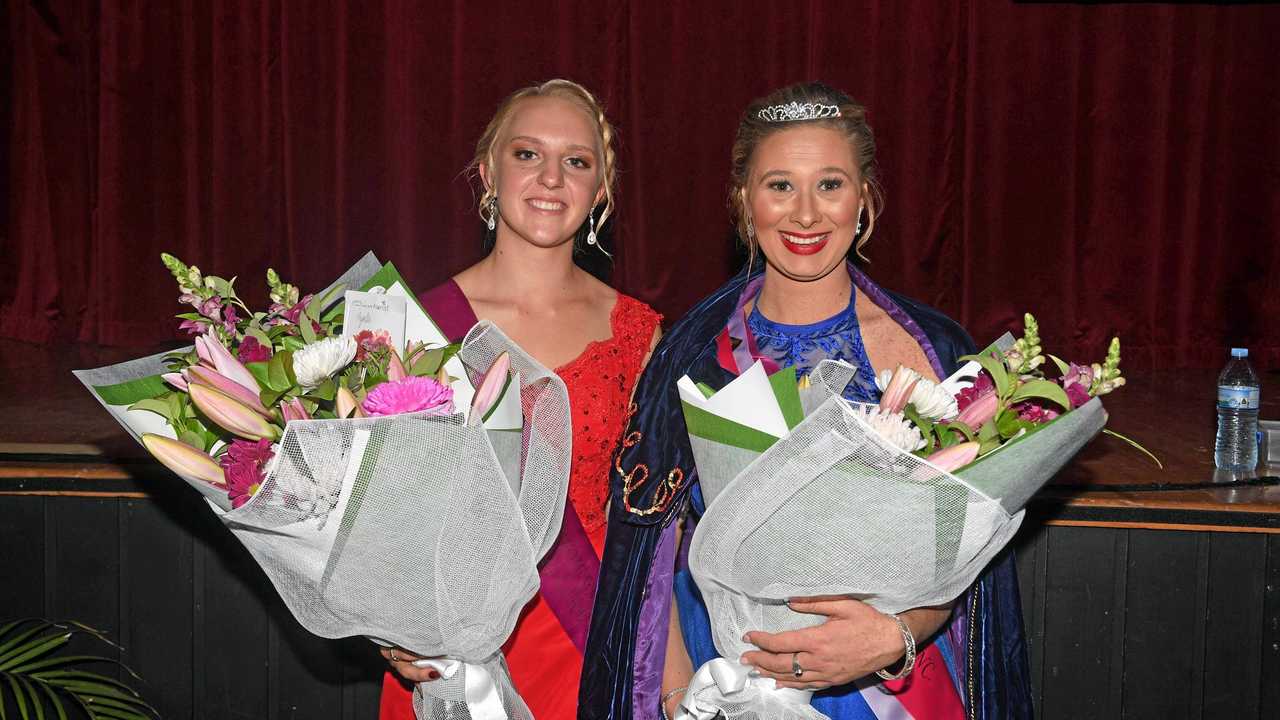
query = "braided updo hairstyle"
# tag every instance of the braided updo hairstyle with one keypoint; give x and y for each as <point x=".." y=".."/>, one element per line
<point x="558" y="88"/>
<point x="852" y="123"/>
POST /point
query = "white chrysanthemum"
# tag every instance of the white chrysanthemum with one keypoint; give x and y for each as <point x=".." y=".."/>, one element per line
<point x="314" y="363"/>
<point x="930" y="399"/>
<point x="893" y="427"/>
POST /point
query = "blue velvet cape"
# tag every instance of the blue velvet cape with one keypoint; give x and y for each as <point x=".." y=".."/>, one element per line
<point x="650" y="483"/>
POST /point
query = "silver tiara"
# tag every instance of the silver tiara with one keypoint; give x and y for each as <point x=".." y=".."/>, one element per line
<point x="798" y="111"/>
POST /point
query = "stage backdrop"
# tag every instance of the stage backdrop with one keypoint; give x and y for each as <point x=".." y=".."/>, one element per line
<point x="1113" y="168"/>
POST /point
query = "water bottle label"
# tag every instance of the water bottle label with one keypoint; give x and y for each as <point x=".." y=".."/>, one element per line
<point x="1237" y="398"/>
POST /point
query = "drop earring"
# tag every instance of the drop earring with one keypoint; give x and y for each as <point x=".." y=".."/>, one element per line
<point x="591" y="234"/>
<point x="857" y="230"/>
<point x="493" y="212"/>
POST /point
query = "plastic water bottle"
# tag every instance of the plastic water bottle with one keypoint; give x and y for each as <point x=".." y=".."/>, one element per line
<point x="1237" y="445"/>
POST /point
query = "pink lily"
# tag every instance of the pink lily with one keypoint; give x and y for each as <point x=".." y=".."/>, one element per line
<point x="490" y="388"/>
<point x="294" y="410"/>
<point x="224" y="362"/>
<point x="981" y="410"/>
<point x="898" y="392"/>
<point x="187" y="462"/>
<point x="955" y="457"/>
<point x="345" y="404"/>
<point x="232" y="415"/>
<point x="176" y="380"/>
<point x="395" y="368"/>
<point x="198" y="374"/>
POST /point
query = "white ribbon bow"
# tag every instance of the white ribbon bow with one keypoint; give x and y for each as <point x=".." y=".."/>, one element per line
<point x="484" y="702"/>
<point x="721" y="679"/>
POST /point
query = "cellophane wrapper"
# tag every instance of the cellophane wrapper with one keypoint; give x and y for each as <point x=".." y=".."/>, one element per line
<point x="832" y="509"/>
<point x="420" y="530"/>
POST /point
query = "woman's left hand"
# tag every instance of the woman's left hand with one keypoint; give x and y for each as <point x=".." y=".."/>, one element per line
<point x="855" y="641"/>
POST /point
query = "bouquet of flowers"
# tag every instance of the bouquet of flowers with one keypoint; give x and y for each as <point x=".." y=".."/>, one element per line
<point x="390" y="484"/>
<point x="900" y="504"/>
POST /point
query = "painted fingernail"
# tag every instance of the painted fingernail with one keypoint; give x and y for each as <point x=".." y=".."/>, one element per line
<point x="433" y="675"/>
<point x="746" y="637"/>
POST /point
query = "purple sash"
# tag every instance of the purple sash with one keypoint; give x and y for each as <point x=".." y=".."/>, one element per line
<point x="569" y="570"/>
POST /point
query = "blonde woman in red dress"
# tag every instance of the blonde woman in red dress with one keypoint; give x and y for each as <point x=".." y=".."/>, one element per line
<point x="546" y="162"/>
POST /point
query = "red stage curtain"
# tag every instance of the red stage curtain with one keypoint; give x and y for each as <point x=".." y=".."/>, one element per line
<point x="1112" y="168"/>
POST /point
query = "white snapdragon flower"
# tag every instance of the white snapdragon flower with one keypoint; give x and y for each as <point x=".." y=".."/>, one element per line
<point x="314" y="363"/>
<point x="930" y="399"/>
<point x="892" y="427"/>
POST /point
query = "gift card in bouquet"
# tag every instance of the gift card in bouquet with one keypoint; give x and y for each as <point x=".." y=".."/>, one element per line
<point x="377" y="312"/>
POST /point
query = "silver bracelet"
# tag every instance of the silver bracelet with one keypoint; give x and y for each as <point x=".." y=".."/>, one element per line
<point x="662" y="704"/>
<point x="908" y="657"/>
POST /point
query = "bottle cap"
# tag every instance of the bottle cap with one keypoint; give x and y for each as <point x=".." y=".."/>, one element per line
<point x="1239" y="352"/>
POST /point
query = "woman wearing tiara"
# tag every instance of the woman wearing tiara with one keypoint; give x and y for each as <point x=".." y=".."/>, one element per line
<point x="546" y="162"/>
<point x="803" y="188"/>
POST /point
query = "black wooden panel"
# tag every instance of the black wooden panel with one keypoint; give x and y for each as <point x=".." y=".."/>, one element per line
<point x="362" y="679"/>
<point x="83" y="569"/>
<point x="307" y="670"/>
<point x="21" y="557"/>
<point x="1164" y="637"/>
<point x="1030" y="553"/>
<point x="231" y="626"/>
<point x="1080" y="602"/>
<point x="156" y="594"/>
<point x="1233" y="633"/>
<point x="1269" y="686"/>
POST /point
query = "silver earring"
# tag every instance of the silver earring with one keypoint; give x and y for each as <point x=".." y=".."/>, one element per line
<point x="493" y="212"/>
<point x="751" y="229"/>
<point x="591" y="234"/>
<point x="857" y="230"/>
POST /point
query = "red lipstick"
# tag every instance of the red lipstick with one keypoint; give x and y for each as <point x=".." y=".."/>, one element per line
<point x="804" y="248"/>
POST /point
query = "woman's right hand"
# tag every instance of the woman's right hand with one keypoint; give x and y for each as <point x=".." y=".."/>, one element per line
<point x="402" y="663"/>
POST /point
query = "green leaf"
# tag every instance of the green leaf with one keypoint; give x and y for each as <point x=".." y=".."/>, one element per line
<point x="8" y="647"/>
<point x="428" y="362"/>
<point x="1045" y="389"/>
<point x="962" y="428"/>
<point x="1063" y="368"/>
<point x="33" y="649"/>
<point x="292" y="343"/>
<point x="131" y="391"/>
<point x="36" y="702"/>
<point x="19" y="696"/>
<point x="1007" y="423"/>
<point x="280" y="371"/>
<point x="995" y="368"/>
<point x="63" y="660"/>
<point x="155" y="405"/>
<point x="257" y="334"/>
<point x="325" y="390"/>
<point x="55" y="701"/>
<point x="316" y="307"/>
<point x="258" y="369"/>
<point x="304" y="327"/>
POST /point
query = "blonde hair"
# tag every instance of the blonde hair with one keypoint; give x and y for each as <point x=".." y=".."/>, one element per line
<point x="558" y="88"/>
<point x="852" y="123"/>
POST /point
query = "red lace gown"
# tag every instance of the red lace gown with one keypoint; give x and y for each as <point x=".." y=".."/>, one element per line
<point x="545" y="651"/>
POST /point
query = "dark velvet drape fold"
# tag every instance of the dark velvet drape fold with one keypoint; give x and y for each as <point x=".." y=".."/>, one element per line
<point x="1112" y="168"/>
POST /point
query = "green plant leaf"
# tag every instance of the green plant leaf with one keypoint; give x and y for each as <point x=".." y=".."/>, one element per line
<point x="962" y="428"/>
<point x="131" y="391"/>
<point x="54" y="662"/>
<point x="55" y="701"/>
<point x="1007" y="423"/>
<point x="1062" y="366"/>
<point x="277" y="374"/>
<point x="19" y="696"/>
<point x="33" y="649"/>
<point x="258" y="369"/>
<point x="9" y="645"/>
<point x="428" y="362"/>
<point x="155" y="405"/>
<point x="1045" y="389"/>
<point x="316" y="307"/>
<point x="36" y="702"/>
<point x="996" y="369"/>
<point x="292" y="343"/>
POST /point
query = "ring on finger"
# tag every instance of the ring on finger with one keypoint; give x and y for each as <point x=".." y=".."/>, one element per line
<point x="795" y="665"/>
